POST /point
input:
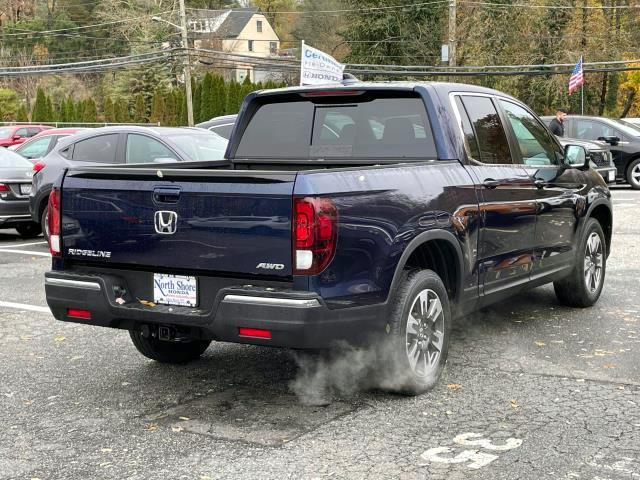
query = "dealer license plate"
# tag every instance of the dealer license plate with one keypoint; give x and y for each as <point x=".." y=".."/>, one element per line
<point x="175" y="290"/>
<point x="25" y="189"/>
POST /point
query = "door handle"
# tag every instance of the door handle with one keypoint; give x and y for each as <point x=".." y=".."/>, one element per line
<point x="166" y="194"/>
<point x="490" y="183"/>
<point x="540" y="183"/>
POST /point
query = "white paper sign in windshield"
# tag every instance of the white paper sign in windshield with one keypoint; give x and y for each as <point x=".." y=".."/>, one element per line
<point x="318" y="68"/>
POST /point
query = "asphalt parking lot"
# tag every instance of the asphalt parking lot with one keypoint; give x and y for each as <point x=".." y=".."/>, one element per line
<point x="532" y="390"/>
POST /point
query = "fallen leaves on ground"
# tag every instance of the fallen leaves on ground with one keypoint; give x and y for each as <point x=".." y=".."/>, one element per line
<point x="60" y="338"/>
<point x="152" y="427"/>
<point x="514" y="404"/>
<point x="609" y="365"/>
<point x="106" y="450"/>
<point x="540" y="344"/>
<point x="454" y="386"/>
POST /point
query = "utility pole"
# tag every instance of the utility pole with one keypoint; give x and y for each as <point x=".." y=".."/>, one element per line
<point x="452" y="33"/>
<point x="187" y="63"/>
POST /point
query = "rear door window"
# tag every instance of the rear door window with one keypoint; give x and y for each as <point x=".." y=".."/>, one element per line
<point x="36" y="148"/>
<point x="100" y="149"/>
<point x="144" y="149"/>
<point x="591" y="130"/>
<point x="488" y="130"/>
<point x="340" y="127"/>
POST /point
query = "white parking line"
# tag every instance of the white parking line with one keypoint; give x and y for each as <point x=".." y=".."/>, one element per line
<point x="25" y="252"/>
<point x="24" y="306"/>
<point x="22" y="245"/>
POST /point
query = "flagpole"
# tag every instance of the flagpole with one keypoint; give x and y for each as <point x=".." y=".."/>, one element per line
<point x="582" y="88"/>
<point x="301" y="61"/>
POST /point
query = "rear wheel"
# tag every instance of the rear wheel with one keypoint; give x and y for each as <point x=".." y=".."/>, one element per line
<point x="29" y="230"/>
<point x="44" y="223"/>
<point x="633" y="174"/>
<point x="168" y="352"/>
<point x="583" y="286"/>
<point x="419" y="328"/>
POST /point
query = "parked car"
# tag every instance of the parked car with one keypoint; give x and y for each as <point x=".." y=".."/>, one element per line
<point x="623" y="138"/>
<point x="223" y="125"/>
<point x="408" y="204"/>
<point x="39" y="145"/>
<point x="599" y="154"/>
<point x="634" y="121"/>
<point x="15" y="186"/>
<point x="17" y="134"/>
<point x="120" y="145"/>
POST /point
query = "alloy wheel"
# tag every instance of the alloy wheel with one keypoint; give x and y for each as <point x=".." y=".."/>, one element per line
<point x="593" y="260"/>
<point x="635" y="174"/>
<point x="425" y="333"/>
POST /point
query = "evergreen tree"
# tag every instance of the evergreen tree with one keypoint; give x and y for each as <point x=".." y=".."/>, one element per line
<point x="140" y="109"/>
<point x="207" y="101"/>
<point x="170" y="109"/>
<point x="121" y="110"/>
<point x="197" y="97"/>
<point x="108" y="110"/>
<point x="233" y="97"/>
<point x="78" y="111"/>
<point x="157" y="108"/>
<point x="39" y="112"/>
<point x="219" y="96"/>
<point x="90" y="112"/>
<point x="182" y="102"/>
<point x="21" y="114"/>
<point x="50" y="115"/>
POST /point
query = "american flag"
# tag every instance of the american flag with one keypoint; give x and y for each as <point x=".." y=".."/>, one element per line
<point x="577" y="77"/>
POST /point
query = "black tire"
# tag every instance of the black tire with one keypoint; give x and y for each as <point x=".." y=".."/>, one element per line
<point x="168" y="352"/>
<point x="44" y="225"/>
<point x="583" y="286"/>
<point x="405" y="378"/>
<point x="633" y="174"/>
<point x="29" y="230"/>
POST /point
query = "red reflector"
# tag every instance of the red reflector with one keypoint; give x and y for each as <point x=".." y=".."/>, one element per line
<point x="304" y="219"/>
<point x="254" y="332"/>
<point x="38" y="166"/>
<point x="74" y="312"/>
<point x="4" y="188"/>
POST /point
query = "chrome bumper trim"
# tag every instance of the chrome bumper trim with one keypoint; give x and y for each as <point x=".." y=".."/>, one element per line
<point x="272" y="301"/>
<point x="63" y="282"/>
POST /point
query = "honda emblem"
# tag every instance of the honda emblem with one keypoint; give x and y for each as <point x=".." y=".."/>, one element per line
<point x="166" y="222"/>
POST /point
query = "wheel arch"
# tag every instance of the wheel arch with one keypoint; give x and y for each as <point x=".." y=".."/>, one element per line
<point x="601" y="211"/>
<point x="436" y="250"/>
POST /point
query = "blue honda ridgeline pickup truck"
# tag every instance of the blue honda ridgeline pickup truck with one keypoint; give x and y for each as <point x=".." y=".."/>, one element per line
<point x="368" y="210"/>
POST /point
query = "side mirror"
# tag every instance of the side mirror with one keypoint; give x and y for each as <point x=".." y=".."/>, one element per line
<point x="575" y="156"/>
<point x="612" y="140"/>
<point x="164" y="160"/>
<point x="16" y="137"/>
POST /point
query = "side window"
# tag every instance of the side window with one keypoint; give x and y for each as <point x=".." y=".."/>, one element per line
<point x="470" y="141"/>
<point x="223" y="130"/>
<point x="101" y="149"/>
<point x="488" y="129"/>
<point x="33" y="131"/>
<point x="36" y="148"/>
<point x="590" y="130"/>
<point x="143" y="149"/>
<point x="23" y="132"/>
<point x="536" y="146"/>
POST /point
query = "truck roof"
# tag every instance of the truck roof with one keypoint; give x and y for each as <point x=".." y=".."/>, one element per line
<point x="440" y="87"/>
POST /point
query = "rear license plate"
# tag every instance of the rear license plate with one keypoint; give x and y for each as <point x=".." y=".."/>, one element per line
<point x="175" y="290"/>
<point x="25" y="189"/>
<point x="612" y="176"/>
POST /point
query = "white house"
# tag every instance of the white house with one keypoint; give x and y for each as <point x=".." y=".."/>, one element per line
<point x="243" y="31"/>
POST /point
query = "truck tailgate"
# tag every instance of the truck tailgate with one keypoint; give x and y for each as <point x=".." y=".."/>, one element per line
<point x="208" y="220"/>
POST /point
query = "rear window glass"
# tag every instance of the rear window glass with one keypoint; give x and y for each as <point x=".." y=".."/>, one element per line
<point x="349" y="128"/>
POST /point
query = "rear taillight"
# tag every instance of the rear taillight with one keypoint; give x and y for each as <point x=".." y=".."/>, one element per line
<point x="38" y="166"/>
<point x="315" y="234"/>
<point x="77" y="313"/>
<point x="54" y="221"/>
<point x="4" y="188"/>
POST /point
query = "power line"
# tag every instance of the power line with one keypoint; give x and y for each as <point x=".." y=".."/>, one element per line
<point x="103" y="24"/>
<point x="549" y="7"/>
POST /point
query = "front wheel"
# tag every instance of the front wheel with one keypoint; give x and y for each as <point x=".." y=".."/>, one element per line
<point x="633" y="174"/>
<point x="583" y="286"/>
<point x="168" y="352"/>
<point x="419" y="330"/>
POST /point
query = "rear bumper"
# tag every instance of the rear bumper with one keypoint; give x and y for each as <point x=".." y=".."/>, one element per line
<point x="14" y="212"/>
<point x="294" y="319"/>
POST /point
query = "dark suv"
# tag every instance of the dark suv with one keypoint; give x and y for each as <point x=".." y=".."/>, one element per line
<point x="369" y="212"/>
<point x="623" y="137"/>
